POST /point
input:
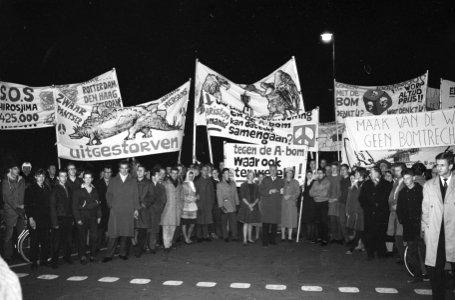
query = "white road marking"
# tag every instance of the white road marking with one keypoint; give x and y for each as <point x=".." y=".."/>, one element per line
<point x="308" y="288"/>
<point x="348" y="289"/>
<point x="108" y="279"/>
<point x="47" y="276"/>
<point x="386" y="290"/>
<point x="173" y="282"/>
<point x="205" y="284"/>
<point x="423" y="292"/>
<point x="238" y="285"/>
<point x="140" y="281"/>
<point x="276" y="287"/>
<point x="20" y="275"/>
<point x="77" y="278"/>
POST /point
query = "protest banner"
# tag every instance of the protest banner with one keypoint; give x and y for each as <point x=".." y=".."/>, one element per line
<point x="368" y="159"/>
<point x="330" y="139"/>
<point x="273" y="96"/>
<point x="90" y="132"/>
<point x="242" y="158"/>
<point x="23" y="107"/>
<point x="401" y="98"/>
<point x="228" y="122"/>
<point x="433" y="101"/>
<point x="427" y="129"/>
<point x="447" y="94"/>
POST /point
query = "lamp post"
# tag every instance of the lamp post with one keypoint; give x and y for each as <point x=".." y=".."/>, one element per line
<point x="328" y="37"/>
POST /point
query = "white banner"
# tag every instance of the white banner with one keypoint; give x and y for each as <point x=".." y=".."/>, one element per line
<point x="300" y="130"/>
<point x="274" y="96"/>
<point x="428" y="129"/>
<point x="88" y="132"/>
<point x="447" y="94"/>
<point x="433" y="101"/>
<point x="242" y="158"/>
<point x="24" y="107"/>
<point x="330" y="137"/>
<point x="400" y="98"/>
<point x="368" y="159"/>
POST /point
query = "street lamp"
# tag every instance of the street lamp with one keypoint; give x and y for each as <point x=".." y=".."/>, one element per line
<point x="328" y="37"/>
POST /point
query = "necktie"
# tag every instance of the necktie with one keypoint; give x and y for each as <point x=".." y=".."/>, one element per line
<point x="445" y="186"/>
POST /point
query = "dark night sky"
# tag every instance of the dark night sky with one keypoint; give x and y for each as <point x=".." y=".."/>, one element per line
<point x="153" y="46"/>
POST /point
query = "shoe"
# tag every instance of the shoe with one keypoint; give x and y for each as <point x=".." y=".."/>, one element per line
<point x="106" y="259"/>
<point x="124" y="257"/>
<point x="84" y="260"/>
<point x="282" y="239"/>
<point x="138" y="255"/>
<point x="290" y="240"/>
<point x="226" y="240"/>
<point x="349" y="252"/>
<point x="324" y="243"/>
<point x="415" y="280"/>
<point x="251" y="241"/>
<point x="92" y="259"/>
<point x="244" y="244"/>
<point x="153" y="251"/>
<point x="34" y="266"/>
<point x="68" y="260"/>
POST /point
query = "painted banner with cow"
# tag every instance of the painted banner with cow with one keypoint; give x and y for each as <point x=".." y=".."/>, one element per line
<point x="276" y="96"/>
<point x="90" y="132"/>
<point x="360" y="101"/>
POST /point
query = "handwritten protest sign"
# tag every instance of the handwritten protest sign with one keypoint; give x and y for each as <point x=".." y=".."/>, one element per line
<point x="427" y="129"/>
<point x="400" y="98"/>
<point x="447" y="94"/>
<point x="433" y="99"/>
<point x="228" y="122"/>
<point x="242" y="158"/>
<point x="90" y="132"/>
<point x="330" y="137"/>
<point x="276" y="95"/>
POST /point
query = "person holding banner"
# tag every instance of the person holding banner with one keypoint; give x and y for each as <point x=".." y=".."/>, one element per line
<point x="289" y="214"/>
<point x="438" y="223"/>
<point x="249" y="209"/>
<point x="228" y="199"/>
<point x="271" y="191"/>
<point x="320" y="193"/>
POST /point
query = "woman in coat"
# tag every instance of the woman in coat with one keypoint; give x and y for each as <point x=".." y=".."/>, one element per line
<point x="249" y="209"/>
<point x="289" y="215"/>
<point x="189" y="211"/>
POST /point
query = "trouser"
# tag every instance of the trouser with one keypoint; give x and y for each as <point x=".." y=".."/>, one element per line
<point x="89" y="223"/>
<point x="321" y="210"/>
<point x="416" y="256"/>
<point x="112" y="244"/>
<point x="231" y="219"/>
<point x="202" y="231"/>
<point x="102" y="229"/>
<point x="168" y="235"/>
<point x="39" y="236"/>
<point x="62" y="238"/>
<point x="12" y="219"/>
<point x="358" y="235"/>
<point x="269" y="233"/>
<point x="437" y="273"/>
<point x="152" y="238"/>
<point x="141" y="239"/>
<point x="342" y="221"/>
<point x="375" y="239"/>
<point x="334" y="228"/>
<point x="216" y="226"/>
<point x="400" y="246"/>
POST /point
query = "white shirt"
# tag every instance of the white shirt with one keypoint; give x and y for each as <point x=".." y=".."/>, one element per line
<point x="448" y="180"/>
<point x="396" y="190"/>
<point x="123" y="177"/>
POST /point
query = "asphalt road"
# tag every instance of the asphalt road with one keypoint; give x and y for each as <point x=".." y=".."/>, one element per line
<point x="276" y="272"/>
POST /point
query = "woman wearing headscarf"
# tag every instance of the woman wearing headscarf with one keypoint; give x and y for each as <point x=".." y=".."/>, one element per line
<point x="289" y="215"/>
<point x="189" y="212"/>
<point x="249" y="209"/>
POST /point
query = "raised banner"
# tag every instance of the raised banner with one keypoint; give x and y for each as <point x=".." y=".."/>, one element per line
<point x="228" y="122"/>
<point x="276" y="95"/>
<point x="90" y="132"/>
<point x="330" y="137"/>
<point x="419" y="130"/>
<point x="25" y="107"/>
<point x="368" y="159"/>
<point x="447" y="94"/>
<point x="433" y="99"/>
<point x="401" y="98"/>
<point x="242" y="158"/>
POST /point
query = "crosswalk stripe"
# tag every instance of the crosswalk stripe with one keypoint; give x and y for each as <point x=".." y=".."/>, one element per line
<point x="205" y="284"/>
<point x="386" y="290"/>
<point x="77" y="278"/>
<point x="423" y="292"/>
<point x="238" y="285"/>
<point x="140" y="281"/>
<point x="306" y="288"/>
<point x="173" y="282"/>
<point x="108" y="279"/>
<point x="348" y="289"/>
<point x="47" y="276"/>
<point x="276" y="287"/>
<point x="20" y="275"/>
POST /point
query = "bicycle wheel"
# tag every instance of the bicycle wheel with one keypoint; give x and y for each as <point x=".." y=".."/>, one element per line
<point x="406" y="264"/>
<point x="23" y="245"/>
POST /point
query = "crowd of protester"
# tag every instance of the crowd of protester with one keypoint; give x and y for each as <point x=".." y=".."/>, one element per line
<point x="378" y="211"/>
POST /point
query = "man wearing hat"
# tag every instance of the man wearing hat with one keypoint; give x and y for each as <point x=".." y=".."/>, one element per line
<point x="13" y="187"/>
